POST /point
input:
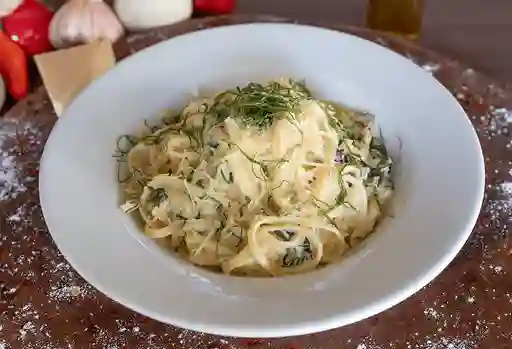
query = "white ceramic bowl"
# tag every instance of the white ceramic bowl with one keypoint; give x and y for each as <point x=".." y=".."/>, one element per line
<point x="439" y="187"/>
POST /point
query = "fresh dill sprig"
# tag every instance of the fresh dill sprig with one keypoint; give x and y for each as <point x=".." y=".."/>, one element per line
<point x="259" y="105"/>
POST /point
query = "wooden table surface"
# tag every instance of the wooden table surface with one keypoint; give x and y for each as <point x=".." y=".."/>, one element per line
<point x="44" y="304"/>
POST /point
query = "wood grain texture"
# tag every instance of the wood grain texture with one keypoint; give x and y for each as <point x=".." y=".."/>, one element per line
<point x="45" y="304"/>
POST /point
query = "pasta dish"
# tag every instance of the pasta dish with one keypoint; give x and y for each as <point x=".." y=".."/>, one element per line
<point x="260" y="180"/>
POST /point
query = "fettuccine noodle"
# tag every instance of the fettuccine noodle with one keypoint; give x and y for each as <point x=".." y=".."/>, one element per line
<point x="262" y="180"/>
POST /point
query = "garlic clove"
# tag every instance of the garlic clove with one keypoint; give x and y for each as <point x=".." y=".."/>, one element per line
<point x="104" y="18"/>
<point x="139" y="15"/>
<point x="8" y="6"/>
<point x="84" y="21"/>
<point x="54" y="32"/>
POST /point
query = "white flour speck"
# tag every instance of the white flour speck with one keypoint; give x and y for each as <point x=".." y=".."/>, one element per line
<point x="29" y="326"/>
<point x="18" y="215"/>
<point x="448" y="343"/>
<point x="191" y="339"/>
<point x="503" y="114"/>
<point x="502" y="206"/>
<point x="497" y="121"/>
<point x="506" y="188"/>
<point x="368" y="343"/>
<point x="26" y="314"/>
<point x="65" y="292"/>
<point x="498" y="269"/>
<point x="431" y="313"/>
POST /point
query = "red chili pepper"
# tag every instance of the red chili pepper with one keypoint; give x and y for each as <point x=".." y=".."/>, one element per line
<point x="29" y="25"/>
<point x="216" y="7"/>
<point x="13" y="67"/>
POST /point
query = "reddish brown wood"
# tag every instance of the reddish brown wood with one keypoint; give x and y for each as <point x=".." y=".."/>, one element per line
<point x="45" y="304"/>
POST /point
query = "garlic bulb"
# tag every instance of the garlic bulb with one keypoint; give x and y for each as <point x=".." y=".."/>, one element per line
<point x="8" y="6"/>
<point x="84" y="21"/>
<point x="144" y="14"/>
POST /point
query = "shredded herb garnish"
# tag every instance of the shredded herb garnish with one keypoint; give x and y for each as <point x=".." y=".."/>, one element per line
<point x="229" y="179"/>
<point x="295" y="257"/>
<point x="259" y="105"/>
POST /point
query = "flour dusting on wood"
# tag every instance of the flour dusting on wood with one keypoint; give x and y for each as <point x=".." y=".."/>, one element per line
<point x="45" y="304"/>
<point x="13" y="178"/>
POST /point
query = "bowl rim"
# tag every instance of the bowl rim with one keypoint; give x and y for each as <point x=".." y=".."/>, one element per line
<point x="336" y="320"/>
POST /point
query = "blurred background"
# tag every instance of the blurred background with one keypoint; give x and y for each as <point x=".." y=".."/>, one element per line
<point x="474" y="31"/>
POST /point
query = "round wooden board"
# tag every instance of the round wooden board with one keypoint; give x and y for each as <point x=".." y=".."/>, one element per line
<point x="45" y="304"/>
